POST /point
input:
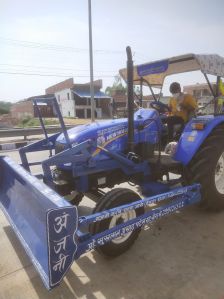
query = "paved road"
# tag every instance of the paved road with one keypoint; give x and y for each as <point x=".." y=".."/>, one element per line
<point x="179" y="257"/>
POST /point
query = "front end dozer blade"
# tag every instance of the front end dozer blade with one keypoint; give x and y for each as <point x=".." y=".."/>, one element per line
<point x="43" y="221"/>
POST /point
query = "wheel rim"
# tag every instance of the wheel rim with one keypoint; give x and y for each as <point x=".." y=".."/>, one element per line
<point x="122" y="218"/>
<point x="219" y="174"/>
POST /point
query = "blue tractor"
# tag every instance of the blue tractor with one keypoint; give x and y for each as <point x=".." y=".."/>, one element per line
<point x="85" y="160"/>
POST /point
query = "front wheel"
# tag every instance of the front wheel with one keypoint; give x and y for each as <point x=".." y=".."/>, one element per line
<point x="115" y="198"/>
<point x="207" y="168"/>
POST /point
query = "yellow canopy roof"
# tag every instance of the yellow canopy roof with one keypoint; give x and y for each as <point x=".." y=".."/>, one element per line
<point x="155" y="72"/>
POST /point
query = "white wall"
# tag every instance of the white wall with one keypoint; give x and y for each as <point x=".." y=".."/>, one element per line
<point x="67" y="106"/>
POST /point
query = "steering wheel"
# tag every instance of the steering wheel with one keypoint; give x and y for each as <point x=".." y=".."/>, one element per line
<point x="160" y="107"/>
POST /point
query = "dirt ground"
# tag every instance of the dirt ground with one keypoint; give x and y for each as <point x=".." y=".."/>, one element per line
<point x="179" y="257"/>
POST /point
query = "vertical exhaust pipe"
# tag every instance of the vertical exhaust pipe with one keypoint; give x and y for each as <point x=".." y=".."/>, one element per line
<point x="130" y="100"/>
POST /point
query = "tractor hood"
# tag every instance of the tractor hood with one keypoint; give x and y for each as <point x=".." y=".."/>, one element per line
<point x="109" y="130"/>
<point x="89" y="131"/>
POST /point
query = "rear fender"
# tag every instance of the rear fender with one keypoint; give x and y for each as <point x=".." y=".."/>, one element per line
<point x="191" y="139"/>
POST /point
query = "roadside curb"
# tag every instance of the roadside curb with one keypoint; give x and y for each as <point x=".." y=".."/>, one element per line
<point x="12" y="146"/>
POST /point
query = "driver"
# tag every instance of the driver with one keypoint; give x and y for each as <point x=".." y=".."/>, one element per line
<point x="182" y="108"/>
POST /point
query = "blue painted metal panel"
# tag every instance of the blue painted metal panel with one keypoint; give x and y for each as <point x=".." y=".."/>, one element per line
<point x="62" y="224"/>
<point x="82" y="163"/>
<point x="112" y="134"/>
<point x="110" y="129"/>
<point x="36" y="213"/>
<point x="191" y="140"/>
<point x="180" y="198"/>
<point x="48" y="226"/>
<point x="189" y="193"/>
<point x="152" y="68"/>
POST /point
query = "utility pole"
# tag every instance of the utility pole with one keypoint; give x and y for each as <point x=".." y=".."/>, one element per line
<point x="91" y="64"/>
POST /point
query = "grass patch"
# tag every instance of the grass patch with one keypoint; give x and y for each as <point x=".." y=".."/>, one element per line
<point x="34" y="122"/>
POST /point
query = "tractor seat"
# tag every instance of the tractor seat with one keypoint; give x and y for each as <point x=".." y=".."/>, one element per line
<point x="177" y="129"/>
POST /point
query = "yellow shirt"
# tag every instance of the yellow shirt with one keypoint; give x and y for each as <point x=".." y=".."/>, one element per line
<point x="188" y="105"/>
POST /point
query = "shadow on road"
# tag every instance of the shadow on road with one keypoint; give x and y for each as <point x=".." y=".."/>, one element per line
<point x="179" y="257"/>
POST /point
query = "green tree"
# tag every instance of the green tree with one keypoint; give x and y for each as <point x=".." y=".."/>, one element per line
<point x="5" y="107"/>
<point x="117" y="86"/>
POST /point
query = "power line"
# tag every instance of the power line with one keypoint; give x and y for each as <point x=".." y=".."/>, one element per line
<point x="61" y="47"/>
<point x="55" y="47"/>
<point x="53" y="68"/>
<point x="54" y="75"/>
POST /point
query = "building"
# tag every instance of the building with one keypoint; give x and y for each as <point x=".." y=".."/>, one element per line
<point x="119" y="100"/>
<point x="203" y="95"/>
<point x="199" y="90"/>
<point x="75" y="100"/>
<point x="149" y="98"/>
<point x="25" y="108"/>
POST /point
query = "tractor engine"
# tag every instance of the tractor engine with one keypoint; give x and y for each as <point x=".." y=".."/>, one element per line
<point x="110" y="135"/>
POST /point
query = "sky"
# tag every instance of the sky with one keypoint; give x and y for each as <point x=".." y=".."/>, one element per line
<point x="45" y="42"/>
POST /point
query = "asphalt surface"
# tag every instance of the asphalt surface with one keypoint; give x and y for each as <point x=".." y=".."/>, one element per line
<point x="179" y="257"/>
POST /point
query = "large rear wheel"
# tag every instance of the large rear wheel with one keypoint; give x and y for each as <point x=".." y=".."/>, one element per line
<point x="207" y="168"/>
